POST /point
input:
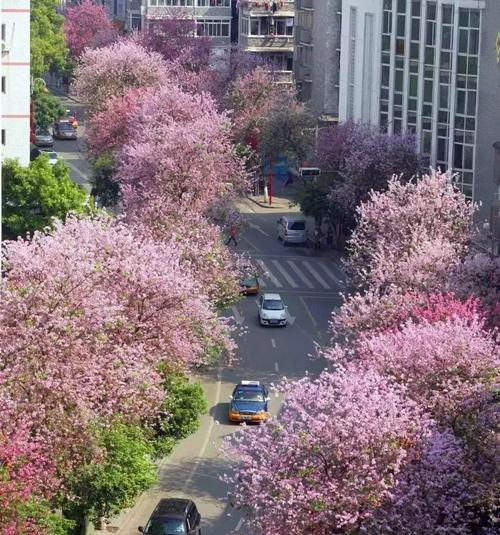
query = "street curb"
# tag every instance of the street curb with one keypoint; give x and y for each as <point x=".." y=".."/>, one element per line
<point x="58" y="93"/>
<point x="262" y="205"/>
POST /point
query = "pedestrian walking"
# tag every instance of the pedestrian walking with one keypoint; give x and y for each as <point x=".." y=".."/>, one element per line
<point x="329" y="238"/>
<point x="317" y="238"/>
<point x="232" y="236"/>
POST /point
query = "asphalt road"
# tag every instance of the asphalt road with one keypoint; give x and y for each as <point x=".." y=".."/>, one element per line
<point x="310" y="284"/>
<point x="71" y="151"/>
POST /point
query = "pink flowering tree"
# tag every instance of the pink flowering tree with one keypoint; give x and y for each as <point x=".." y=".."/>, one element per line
<point x="86" y="24"/>
<point x="250" y="99"/>
<point x="333" y="457"/>
<point x="87" y="315"/>
<point x="371" y="312"/>
<point x="113" y="70"/>
<point x="180" y="158"/>
<point x="410" y="236"/>
<point x="442" y="364"/>
<point x="176" y="40"/>
<point x="479" y="275"/>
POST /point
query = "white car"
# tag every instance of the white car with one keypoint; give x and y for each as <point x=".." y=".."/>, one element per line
<point x="272" y="310"/>
<point x="52" y="156"/>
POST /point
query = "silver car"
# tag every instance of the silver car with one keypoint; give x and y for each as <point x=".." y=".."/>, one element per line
<point x="292" y="229"/>
<point x="43" y="138"/>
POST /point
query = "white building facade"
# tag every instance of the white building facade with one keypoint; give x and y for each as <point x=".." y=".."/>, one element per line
<point x="415" y="66"/>
<point x="15" y="80"/>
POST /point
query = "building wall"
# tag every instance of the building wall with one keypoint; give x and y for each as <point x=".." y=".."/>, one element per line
<point x="487" y="169"/>
<point x="15" y="67"/>
<point x="424" y="66"/>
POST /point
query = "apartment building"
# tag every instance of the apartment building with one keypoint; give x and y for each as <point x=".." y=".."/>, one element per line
<point x="429" y="67"/>
<point x="266" y="28"/>
<point x="15" y="80"/>
<point x="317" y="56"/>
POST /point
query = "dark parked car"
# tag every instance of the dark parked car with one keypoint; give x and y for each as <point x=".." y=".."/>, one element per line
<point x="173" y="516"/>
<point x="63" y="130"/>
<point x="43" y="138"/>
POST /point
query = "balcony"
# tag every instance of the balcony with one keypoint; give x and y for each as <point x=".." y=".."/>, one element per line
<point x="283" y="77"/>
<point x="259" y="8"/>
<point x="266" y="43"/>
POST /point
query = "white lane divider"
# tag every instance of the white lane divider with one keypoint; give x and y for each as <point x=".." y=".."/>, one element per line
<point x="276" y="367"/>
<point x="273" y="343"/>
<point x="289" y="279"/>
<point x="300" y="274"/>
<point x="239" y="524"/>
<point x="317" y="276"/>
<point x="269" y="275"/>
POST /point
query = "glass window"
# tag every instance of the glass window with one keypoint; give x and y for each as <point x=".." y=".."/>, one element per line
<point x="387" y="24"/>
<point x="462" y="41"/>
<point x="460" y="106"/>
<point x="400" y="63"/>
<point x="470" y="123"/>
<point x="415" y="8"/>
<point x="429" y="55"/>
<point x="385" y="75"/>
<point x="442" y="149"/>
<point x="462" y="65"/>
<point x="254" y="27"/>
<point x="426" y="142"/>
<point x="401" y="6"/>
<point x="413" y="85"/>
<point x="398" y="112"/>
<point x="446" y="37"/>
<point x="386" y="59"/>
<point x="400" y="47"/>
<point x="443" y="97"/>
<point x="398" y="99"/>
<point x="426" y="123"/>
<point x="463" y="18"/>
<point x="474" y="18"/>
<point x="398" y="81"/>
<point x="471" y="103"/>
<point x="428" y="91"/>
<point x="387" y="4"/>
<point x="447" y="14"/>
<point x="443" y="116"/>
<point x="413" y="66"/>
<point x="431" y="11"/>
<point x="397" y="126"/>
<point x="457" y="156"/>
<point x="468" y="155"/>
<point x="430" y="33"/>
<point x="400" y="31"/>
<point x="414" y="50"/>
<point x="415" y="29"/>
<point x="445" y="62"/>
<point x="386" y="42"/>
<point x="459" y="122"/>
<point x="384" y="93"/>
<point x="472" y="66"/>
<point x="412" y="104"/>
<point x="474" y="42"/>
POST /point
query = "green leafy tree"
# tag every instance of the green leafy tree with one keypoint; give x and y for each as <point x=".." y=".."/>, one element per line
<point x="103" y="185"/>
<point x="32" y="196"/>
<point x="48" y="46"/>
<point x="313" y="200"/>
<point x="45" y="519"/>
<point x="126" y="470"/>
<point x="47" y="107"/>
<point x="180" y="414"/>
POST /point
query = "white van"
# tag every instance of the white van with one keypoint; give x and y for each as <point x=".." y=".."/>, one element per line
<point x="292" y="229"/>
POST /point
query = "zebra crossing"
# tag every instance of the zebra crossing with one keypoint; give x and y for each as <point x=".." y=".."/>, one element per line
<point x="300" y="274"/>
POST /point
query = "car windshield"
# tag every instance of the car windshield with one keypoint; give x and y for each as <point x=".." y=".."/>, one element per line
<point x="166" y="526"/>
<point x="273" y="304"/>
<point x="65" y="126"/>
<point x="248" y="395"/>
<point x="52" y="155"/>
<point x="297" y="225"/>
<point x="42" y="133"/>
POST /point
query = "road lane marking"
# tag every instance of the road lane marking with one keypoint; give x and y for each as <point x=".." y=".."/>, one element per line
<point x="257" y="228"/>
<point x="289" y="279"/>
<point x="316" y="275"/>
<point x="291" y="319"/>
<point x="308" y="312"/>
<point x="330" y="273"/>
<point x="208" y="435"/>
<point x="273" y="343"/>
<point x="269" y="275"/>
<point x="300" y="274"/>
<point x="276" y="367"/>
<point x="238" y="525"/>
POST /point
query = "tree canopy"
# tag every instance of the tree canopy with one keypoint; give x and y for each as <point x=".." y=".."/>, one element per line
<point x="32" y="196"/>
<point x="48" y="47"/>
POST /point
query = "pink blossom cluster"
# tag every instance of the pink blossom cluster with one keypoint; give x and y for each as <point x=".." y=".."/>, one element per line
<point x="412" y="235"/>
<point x="399" y="434"/>
<point x="86" y="24"/>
